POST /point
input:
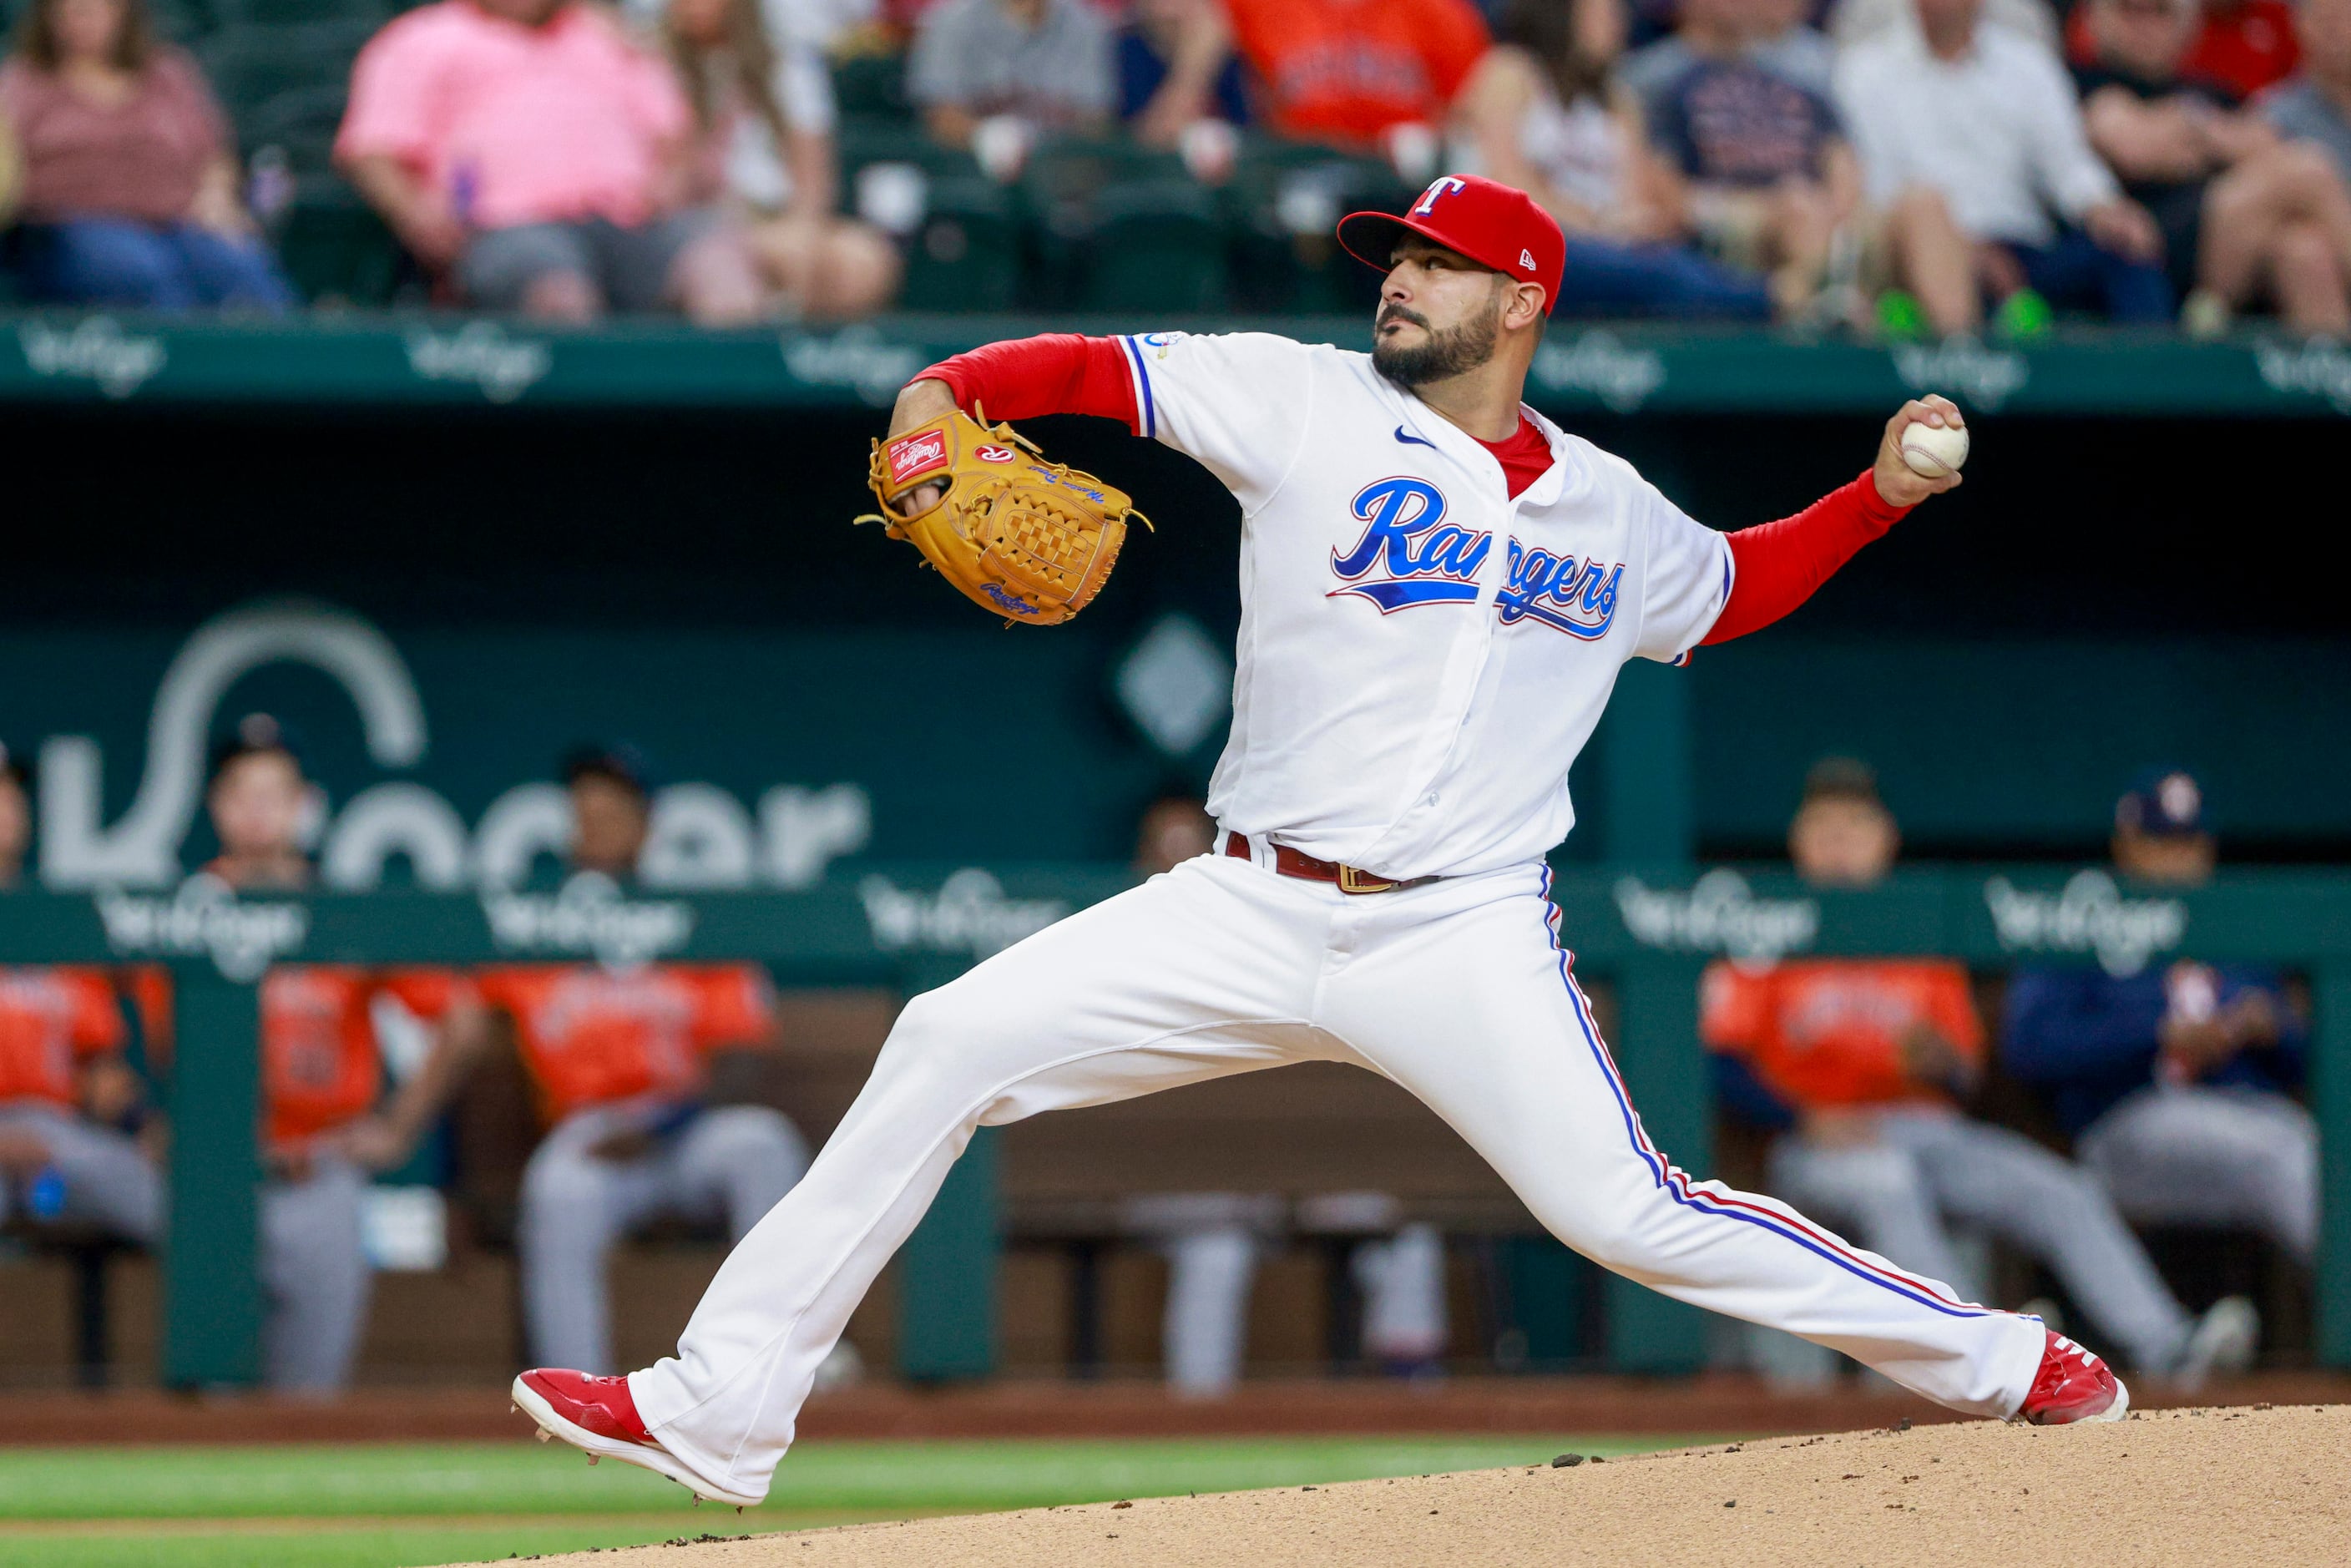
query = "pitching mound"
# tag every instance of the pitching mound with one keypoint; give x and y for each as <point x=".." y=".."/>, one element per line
<point x="2190" y="1487"/>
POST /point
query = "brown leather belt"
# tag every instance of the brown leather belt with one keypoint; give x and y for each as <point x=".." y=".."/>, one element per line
<point x="1306" y="868"/>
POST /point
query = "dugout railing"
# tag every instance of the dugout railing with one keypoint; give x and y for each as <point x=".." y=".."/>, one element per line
<point x="1649" y="933"/>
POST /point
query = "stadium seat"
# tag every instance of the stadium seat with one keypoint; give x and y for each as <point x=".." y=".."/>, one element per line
<point x="372" y="14"/>
<point x="285" y="85"/>
<point x="179" y="21"/>
<point x="967" y="256"/>
<point x="872" y="86"/>
<point x="1156" y="245"/>
<point x="964" y="248"/>
<point x="1121" y="227"/>
<point x="1282" y="204"/>
<point x="335" y="250"/>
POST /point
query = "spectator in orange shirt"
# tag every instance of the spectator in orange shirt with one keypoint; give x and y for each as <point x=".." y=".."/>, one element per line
<point x="64" y="1088"/>
<point x="1353" y="73"/>
<point x="619" y="1057"/>
<point x="321" y="1074"/>
<point x="1866" y="1063"/>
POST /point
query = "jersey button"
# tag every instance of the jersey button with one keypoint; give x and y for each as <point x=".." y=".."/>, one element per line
<point x="1432" y="798"/>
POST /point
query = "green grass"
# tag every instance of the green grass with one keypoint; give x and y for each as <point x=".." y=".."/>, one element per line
<point x="327" y="1548"/>
<point x="404" y="1479"/>
<point x="377" y="1506"/>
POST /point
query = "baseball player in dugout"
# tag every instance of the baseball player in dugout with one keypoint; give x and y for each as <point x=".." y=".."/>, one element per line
<point x="322" y="1071"/>
<point x="1439" y="586"/>
<point x="70" y="1103"/>
<point x="2177" y="1081"/>
<point x="1867" y="1064"/>
<point x="622" y="1059"/>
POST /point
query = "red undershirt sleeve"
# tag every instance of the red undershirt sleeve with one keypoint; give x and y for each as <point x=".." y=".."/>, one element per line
<point x="1777" y="566"/>
<point x="1060" y="372"/>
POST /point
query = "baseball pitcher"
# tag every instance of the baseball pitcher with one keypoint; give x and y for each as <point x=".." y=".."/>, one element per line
<point x="1439" y="586"/>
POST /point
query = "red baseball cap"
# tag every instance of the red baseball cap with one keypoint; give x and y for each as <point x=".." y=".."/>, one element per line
<point x="1492" y="223"/>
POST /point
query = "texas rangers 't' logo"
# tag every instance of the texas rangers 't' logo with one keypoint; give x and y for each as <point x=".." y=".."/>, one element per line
<point x="1421" y="558"/>
<point x="1577" y="596"/>
<point x="1443" y="185"/>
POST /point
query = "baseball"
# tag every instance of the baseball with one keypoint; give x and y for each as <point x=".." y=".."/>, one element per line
<point x="1934" y="450"/>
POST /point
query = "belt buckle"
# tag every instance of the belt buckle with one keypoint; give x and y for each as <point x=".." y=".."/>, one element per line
<point x="1350" y="880"/>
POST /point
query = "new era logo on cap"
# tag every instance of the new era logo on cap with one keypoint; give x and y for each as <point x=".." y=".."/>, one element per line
<point x="1491" y="222"/>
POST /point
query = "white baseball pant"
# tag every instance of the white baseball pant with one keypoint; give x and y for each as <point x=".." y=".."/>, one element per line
<point x="1455" y="989"/>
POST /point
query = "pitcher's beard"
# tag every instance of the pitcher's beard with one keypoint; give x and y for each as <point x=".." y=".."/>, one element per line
<point x="1444" y="355"/>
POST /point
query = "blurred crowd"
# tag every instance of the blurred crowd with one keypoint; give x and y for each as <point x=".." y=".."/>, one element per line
<point x="1897" y="167"/>
<point x="2057" y="1112"/>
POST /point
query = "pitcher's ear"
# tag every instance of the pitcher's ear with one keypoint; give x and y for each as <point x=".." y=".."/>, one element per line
<point x="1526" y="307"/>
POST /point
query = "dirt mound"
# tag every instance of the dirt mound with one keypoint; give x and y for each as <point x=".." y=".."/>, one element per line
<point x="2189" y="1487"/>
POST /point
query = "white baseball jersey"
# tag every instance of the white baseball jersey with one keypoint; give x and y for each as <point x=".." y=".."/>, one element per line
<point x="1421" y="657"/>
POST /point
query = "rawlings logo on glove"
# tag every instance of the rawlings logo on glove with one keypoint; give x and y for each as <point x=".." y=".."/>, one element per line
<point x="1032" y="541"/>
<point x="912" y="456"/>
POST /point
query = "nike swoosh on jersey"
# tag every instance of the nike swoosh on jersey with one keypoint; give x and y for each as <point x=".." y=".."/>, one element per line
<point x="1413" y="440"/>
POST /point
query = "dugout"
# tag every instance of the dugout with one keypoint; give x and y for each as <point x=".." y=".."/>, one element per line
<point x="642" y="532"/>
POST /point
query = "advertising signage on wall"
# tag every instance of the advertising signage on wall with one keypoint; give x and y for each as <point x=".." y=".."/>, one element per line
<point x="437" y="361"/>
<point x="396" y="809"/>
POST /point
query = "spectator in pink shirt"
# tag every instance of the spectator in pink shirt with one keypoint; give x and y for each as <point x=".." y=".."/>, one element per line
<point x="542" y="157"/>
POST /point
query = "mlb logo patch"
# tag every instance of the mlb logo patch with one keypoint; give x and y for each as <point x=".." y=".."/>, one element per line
<point x="913" y="454"/>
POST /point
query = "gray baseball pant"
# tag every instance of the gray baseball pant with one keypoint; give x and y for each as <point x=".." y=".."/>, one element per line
<point x="1930" y="1166"/>
<point x="110" y="1182"/>
<point x="2225" y="1158"/>
<point x="731" y="1164"/>
<point x="314" y="1275"/>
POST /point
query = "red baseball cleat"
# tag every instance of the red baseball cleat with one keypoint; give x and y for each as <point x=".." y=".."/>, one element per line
<point x="599" y="1416"/>
<point x="2072" y="1385"/>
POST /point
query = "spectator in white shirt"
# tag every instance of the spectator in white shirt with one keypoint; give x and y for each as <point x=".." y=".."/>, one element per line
<point x="1851" y="21"/>
<point x="1969" y="136"/>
